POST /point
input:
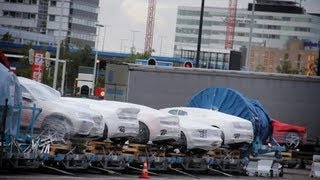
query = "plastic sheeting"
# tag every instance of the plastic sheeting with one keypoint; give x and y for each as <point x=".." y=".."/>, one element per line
<point x="10" y="90"/>
<point x="232" y="102"/>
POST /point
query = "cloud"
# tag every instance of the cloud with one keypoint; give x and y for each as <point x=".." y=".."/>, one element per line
<point x="135" y="10"/>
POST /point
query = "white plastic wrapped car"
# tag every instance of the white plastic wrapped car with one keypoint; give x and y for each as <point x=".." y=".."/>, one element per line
<point x="121" y="122"/>
<point x="235" y="129"/>
<point x="198" y="136"/>
<point x="58" y="120"/>
<point x="154" y="125"/>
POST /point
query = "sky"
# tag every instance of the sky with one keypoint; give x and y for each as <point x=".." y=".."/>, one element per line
<point x="125" y="19"/>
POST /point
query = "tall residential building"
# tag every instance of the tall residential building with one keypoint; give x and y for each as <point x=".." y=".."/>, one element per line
<point x="71" y="20"/>
<point x="274" y="24"/>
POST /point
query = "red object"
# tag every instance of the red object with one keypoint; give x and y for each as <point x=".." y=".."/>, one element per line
<point x="150" y="25"/>
<point x="37" y="67"/>
<point x="283" y="133"/>
<point x="4" y="60"/>
<point x="231" y="23"/>
<point x="99" y="92"/>
<point x="144" y="173"/>
<point x="188" y="65"/>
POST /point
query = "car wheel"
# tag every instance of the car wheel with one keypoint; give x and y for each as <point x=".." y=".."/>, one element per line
<point x="292" y="140"/>
<point x="105" y="133"/>
<point x="143" y="136"/>
<point x="56" y="129"/>
<point x="181" y="143"/>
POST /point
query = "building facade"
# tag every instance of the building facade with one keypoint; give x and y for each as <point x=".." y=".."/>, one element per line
<point x="296" y="58"/>
<point x="70" y="20"/>
<point x="273" y="26"/>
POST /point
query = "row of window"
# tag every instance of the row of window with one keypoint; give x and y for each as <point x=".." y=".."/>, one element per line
<point x="22" y="1"/>
<point x="82" y="36"/>
<point x="256" y="26"/>
<point x="248" y="16"/>
<point x="16" y="14"/>
<point x="84" y="8"/>
<point x="83" y="22"/>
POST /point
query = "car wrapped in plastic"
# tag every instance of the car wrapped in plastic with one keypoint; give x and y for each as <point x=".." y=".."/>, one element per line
<point x="197" y="136"/>
<point x="59" y="120"/>
<point x="235" y="130"/>
<point x="120" y="121"/>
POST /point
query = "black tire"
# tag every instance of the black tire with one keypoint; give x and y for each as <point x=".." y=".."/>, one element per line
<point x="105" y="133"/>
<point x="181" y="143"/>
<point x="143" y="136"/>
<point x="292" y="140"/>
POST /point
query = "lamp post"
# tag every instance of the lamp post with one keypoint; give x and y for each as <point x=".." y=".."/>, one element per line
<point x="121" y="44"/>
<point x="95" y="60"/>
<point x="104" y="35"/>
<point x="250" y="36"/>
<point x="133" y="36"/>
<point x="161" y="37"/>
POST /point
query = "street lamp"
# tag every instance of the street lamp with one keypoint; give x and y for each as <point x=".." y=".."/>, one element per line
<point x="121" y="44"/>
<point x="161" y="37"/>
<point x="104" y="35"/>
<point x="133" y="35"/>
<point x="95" y="60"/>
<point x="250" y="36"/>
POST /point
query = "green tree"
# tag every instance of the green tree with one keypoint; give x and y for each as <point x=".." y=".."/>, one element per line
<point x="286" y="68"/>
<point x="136" y="55"/>
<point x="260" y="68"/>
<point x="7" y="37"/>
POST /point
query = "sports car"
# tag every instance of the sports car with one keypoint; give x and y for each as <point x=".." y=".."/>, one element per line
<point x="290" y="135"/>
<point x="235" y="130"/>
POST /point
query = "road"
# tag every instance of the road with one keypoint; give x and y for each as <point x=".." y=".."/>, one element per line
<point x="291" y="174"/>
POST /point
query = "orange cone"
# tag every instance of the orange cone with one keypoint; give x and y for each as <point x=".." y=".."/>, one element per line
<point x="144" y="173"/>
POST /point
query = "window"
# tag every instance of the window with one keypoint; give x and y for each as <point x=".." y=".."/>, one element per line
<point x="286" y="56"/>
<point x="182" y="113"/>
<point x="52" y="17"/>
<point x="173" y="112"/>
<point x="53" y="3"/>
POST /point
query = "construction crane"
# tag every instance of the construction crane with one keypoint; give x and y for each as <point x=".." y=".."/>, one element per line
<point x="231" y="23"/>
<point x="150" y="26"/>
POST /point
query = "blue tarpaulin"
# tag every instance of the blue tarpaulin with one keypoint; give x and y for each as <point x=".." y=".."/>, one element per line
<point x="230" y="101"/>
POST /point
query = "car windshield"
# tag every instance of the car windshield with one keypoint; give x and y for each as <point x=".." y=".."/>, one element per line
<point x="40" y="91"/>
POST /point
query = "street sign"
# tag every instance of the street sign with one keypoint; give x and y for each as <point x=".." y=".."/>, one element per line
<point x="37" y="67"/>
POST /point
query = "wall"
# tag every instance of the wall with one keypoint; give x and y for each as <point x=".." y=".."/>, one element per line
<point x="293" y="99"/>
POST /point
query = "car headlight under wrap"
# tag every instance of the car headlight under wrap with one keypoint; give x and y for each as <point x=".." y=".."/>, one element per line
<point x="128" y="113"/>
<point x="239" y="125"/>
<point x="83" y="115"/>
<point x="201" y="133"/>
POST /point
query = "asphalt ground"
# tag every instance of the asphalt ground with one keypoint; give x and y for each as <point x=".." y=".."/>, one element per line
<point x="291" y="174"/>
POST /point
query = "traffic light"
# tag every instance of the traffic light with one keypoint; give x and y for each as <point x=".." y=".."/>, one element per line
<point x="31" y="56"/>
<point x="47" y="62"/>
<point x="152" y="61"/>
<point x="187" y="64"/>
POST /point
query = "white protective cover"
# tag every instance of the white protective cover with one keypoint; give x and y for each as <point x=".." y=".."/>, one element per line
<point x="235" y="129"/>
<point x="79" y="120"/>
<point x="199" y="135"/>
<point x="120" y="119"/>
<point x="155" y="120"/>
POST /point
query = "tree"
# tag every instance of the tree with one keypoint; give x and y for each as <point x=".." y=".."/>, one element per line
<point x="260" y="68"/>
<point x="286" y="68"/>
<point x="136" y="55"/>
<point x="7" y="37"/>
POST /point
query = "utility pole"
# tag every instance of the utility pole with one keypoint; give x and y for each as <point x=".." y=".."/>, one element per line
<point x="95" y="61"/>
<point x="133" y="36"/>
<point x="200" y="34"/>
<point x="56" y="65"/>
<point x="250" y="36"/>
<point x="161" y="37"/>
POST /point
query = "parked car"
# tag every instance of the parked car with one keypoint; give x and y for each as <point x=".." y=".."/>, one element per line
<point x="154" y="125"/>
<point x="235" y="130"/>
<point x="59" y="120"/>
<point x="197" y="136"/>
<point x="120" y="121"/>
<point x="292" y="136"/>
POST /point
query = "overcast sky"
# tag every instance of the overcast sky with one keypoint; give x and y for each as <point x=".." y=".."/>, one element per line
<point x="124" y="16"/>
